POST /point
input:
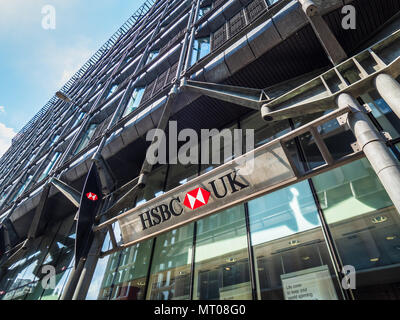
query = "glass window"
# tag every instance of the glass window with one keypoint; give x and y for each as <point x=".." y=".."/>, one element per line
<point x="23" y="187"/>
<point x="218" y="149"/>
<point x="78" y="120"/>
<point x="131" y="276"/>
<point x="365" y="227"/>
<point x="86" y="138"/>
<point x="112" y="90"/>
<point x="171" y="266"/>
<point x="383" y="114"/>
<point x="289" y="245"/>
<point x="179" y="174"/>
<point x="50" y="166"/>
<point x="221" y="257"/>
<point x="23" y="279"/>
<point x="54" y="140"/>
<point x="152" y="55"/>
<point x="331" y="132"/>
<point x="134" y="101"/>
<point x="203" y="11"/>
<point x="154" y="186"/>
<point x="264" y="131"/>
<point x="201" y="48"/>
<point x="104" y="275"/>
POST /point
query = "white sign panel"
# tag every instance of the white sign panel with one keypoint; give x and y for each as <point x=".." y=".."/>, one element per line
<point x="310" y="284"/>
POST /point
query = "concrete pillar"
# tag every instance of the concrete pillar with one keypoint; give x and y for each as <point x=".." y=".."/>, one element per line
<point x="389" y="89"/>
<point x="327" y="39"/>
<point x="371" y="142"/>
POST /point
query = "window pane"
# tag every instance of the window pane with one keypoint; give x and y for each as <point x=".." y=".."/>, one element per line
<point x="365" y="227"/>
<point x="50" y="166"/>
<point x="201" y="48"/>
<point x="112" y="90"/>
<point x="55" y="294"/>
<point x="100" y="286"/>
<point x="170" y="270"/>
<point x="134" y="265"/>
<point x="154" y="186"/>
<point x="221" y="260"/>
<point x="383" y="114"/>
<point x="289" y="246"/>
<point x="152" y="55"/>
<point x="86" y="138"/>
<point x="264" y="132"/>
<point x="134" y="101"/>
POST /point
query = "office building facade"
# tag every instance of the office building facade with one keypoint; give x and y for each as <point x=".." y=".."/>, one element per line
<point x="309" y="211"/>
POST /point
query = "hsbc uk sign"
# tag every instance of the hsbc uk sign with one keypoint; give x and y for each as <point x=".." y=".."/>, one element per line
<point x="193" y="200"/>
<point x="225" y="186"/>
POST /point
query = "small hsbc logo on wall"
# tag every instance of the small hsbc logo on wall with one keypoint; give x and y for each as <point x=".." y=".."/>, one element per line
<point x="196" y="198"/>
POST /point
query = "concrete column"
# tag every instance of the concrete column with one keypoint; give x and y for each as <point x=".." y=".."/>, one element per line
<point x="327" y="39"/>
<point x="371" y="142"/>
<point x="389" y="89"/>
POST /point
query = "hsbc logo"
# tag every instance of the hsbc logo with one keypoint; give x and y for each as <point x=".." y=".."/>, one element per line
<point x="196" y="198"/>
<point x="219" y="188"/>
<point x="92" y="196"/>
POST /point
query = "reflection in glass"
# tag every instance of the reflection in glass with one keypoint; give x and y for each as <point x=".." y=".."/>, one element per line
<point x="221" y="257"/>
<point x="22" y="280"/>
<point x="264" y="132"/>
<point x="154" y="186"/>
<point x="365" y="227"/>
<point x="131" y="276"/>
<point x="383" y="113"/>
<point x="170" y="270"/>
<point x="201" y="48"/>
<point x="288" y="241"/>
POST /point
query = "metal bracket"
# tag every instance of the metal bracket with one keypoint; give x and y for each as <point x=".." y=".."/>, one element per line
<point x="70" y="193"/>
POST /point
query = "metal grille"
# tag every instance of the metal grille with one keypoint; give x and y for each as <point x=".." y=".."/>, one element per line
<point x="101" y="128"/>
<point x="236" y="24"/>
<point x="148" y="92"/>
<point x="218" y="2"/>
<point x="219" y="37"/>
<point x="160" y="82"/>
<point x="254" y="9"/>
<point x="172" y="73"/>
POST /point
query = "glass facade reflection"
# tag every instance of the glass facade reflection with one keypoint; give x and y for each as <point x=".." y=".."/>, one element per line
<point x="23" y="279"/>
<point x="365" y="227"/>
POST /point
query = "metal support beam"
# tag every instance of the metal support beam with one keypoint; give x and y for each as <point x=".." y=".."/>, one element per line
<point x="371" y="142"/>
<point x="246" y="97"/>
<point x="39" y="212"/>
<point x="389" y="89"/>
<point x="70" y="193"/>
<point x="331" y="45"/>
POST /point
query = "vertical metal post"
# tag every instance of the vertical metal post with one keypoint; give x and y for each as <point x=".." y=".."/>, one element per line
<point x="371" y="142"/>
<point x="86" y="274"/>
<point x="389" y="89"/>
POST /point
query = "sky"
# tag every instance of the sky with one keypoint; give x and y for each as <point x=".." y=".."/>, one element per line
<point x="36" y="62"/>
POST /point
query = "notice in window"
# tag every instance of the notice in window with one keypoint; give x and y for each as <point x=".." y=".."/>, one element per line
<point x="310" y="284"/>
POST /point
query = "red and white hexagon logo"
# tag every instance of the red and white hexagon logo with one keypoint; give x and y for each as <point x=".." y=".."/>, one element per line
<point x="196" y="198"/>
<point x="92" y="196"/>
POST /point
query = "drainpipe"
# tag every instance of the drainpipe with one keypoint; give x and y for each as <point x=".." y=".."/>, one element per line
<point x="371" y="142"/>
